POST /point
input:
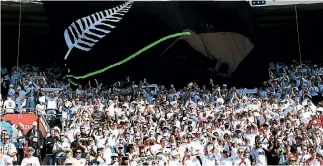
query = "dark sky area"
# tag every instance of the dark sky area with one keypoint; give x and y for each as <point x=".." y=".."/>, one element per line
<point x="272" y="30"/>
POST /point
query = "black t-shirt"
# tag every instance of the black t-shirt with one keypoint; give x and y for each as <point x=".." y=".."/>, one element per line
<point x="293" y="148"/>
<point x="74" y="144"/>
<point x="49" y="143"/>
<point x="273" y="159"/>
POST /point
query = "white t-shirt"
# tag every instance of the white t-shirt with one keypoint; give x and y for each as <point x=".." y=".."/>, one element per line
<point x="226" y="161"/>
<point x="9" y="106"/>
<point x="259" y="156"/>
<point x="80" y="162"/>
<point x="6" y="160"/>
<point x="51" y="104"/>
<point x="251" y="137"/>
<point x="32" y="161"/>
<point x="246" y="162"/>
<point x="175" y="163"/>
<point x="41" y="108"/>
<point x="9" y="149"/>
<point x="193" y="162"/>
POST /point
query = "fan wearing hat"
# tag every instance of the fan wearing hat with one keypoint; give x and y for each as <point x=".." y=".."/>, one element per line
<point x="30" y="159"/>
<point x="61" y="146"/>
<point x="225" y="158"/>
<point x="114" y="159"/>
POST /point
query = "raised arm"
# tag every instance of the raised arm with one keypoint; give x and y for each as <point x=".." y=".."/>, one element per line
<point x="98" y="86"/>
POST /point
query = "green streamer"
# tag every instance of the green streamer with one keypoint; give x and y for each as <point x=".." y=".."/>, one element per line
<point x="72" y="82"/>
<point x="133" y="55"/>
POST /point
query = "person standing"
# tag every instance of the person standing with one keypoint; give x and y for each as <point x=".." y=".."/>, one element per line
<point x="9" y="105"/>
<point x="30" y="159"/>
<point x="258" y="154"/>
<point x="49" y="144"/>
<point x="10" y="149"/>
<point x="35" y="138"/>
<point x="5" y="159"/>
<point x="21" y="141"/>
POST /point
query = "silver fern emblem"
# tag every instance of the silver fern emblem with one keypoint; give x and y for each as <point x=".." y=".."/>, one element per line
<point x="86" y="31"/>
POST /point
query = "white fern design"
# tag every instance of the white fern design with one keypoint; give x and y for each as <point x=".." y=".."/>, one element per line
<point x="93" y="27"/>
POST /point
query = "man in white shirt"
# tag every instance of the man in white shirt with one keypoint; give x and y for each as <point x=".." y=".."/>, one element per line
<point x="190" y="160"/>
<point x="30" y="160"/>
<point x="240" y="160"/>
<point x="77" y="160"/>
<point x="174" y="159"/>
<point x="41" y="108"/>
<point x="9" y="105"/>
<point x="9" y="148"/>
<point x="5" y="159"/>
<point x="62" y="146"/>
<point x="225" y="160"/>
<point x="258" y="154"/>
<point x="51" y="101"/>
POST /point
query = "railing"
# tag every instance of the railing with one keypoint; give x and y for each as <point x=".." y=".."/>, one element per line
<point x="44" y="122"/>
<point x="41" y="118"/>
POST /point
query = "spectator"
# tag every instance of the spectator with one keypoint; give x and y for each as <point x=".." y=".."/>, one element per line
<point x="279" y="123"/>
<point x="9" y="149"/>
<point x="5" y="159"/>
<point x="30" y="159"/>
<point x="35" y="139"/>
<point x="21" y="141"/>
<point x="9" y="105"/>
<point x="49" y="144"/>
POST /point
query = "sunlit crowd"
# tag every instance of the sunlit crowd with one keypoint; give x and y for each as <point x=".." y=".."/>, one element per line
<point x="137" y="123"/>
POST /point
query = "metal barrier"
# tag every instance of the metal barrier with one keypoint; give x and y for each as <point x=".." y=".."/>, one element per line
<point x="41" y="118"/>
<point x="44" y="122"/>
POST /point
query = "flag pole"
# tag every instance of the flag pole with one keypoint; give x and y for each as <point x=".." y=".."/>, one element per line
<point x="298" y="40"/>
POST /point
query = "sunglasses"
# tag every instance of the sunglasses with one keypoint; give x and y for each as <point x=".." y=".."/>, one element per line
<point x="77" y="152"/>
<point x="6" y="138"/>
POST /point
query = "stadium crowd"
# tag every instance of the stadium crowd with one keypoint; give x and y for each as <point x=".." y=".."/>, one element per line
<point x="129" y="123"/>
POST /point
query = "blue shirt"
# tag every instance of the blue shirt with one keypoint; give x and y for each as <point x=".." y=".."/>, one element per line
<point x="14" y="78"/>
<point x="148" y="96"/>
<point x="22" y="94"/>
<point x="7" y="126"/>
<point x="11" y="92"/>
<point x="18" y="103"/>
